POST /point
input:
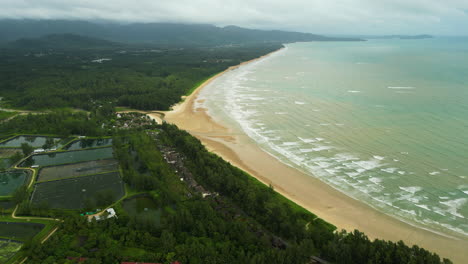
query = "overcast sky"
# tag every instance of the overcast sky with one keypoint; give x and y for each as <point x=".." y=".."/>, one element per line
<point x="440" y="17"/>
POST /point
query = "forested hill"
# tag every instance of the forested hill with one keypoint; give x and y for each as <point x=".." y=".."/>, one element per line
<point x="61" y="42"/>
<point x="154" y="33"/>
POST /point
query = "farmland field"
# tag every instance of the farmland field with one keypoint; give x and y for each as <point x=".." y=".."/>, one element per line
<point x="77" y="193"/>
<point x="35" y="141"/>
<point x="68" y="157"/>
<point x="77" y="169"/>
<point x="8" y="249"/>
<point x="19" y="231"/>
<point x="12" y="180"/>
<point x="89" y="143"/>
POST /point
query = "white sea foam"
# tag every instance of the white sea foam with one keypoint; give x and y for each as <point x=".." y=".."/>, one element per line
<point x="307" y="140"/>
<point x="454" y="206"/>
<point x="299" y="103"/>
<point x="306" y="150"/>
<point x="389" y="170"/>
<point x="290" y="143"/>
<point x="353" y="91"/>
<point x="375" y="180"/>
<point x="434" y="173"/>
<point x="402" y="172"/>
<point x="368" y="164"/>
<point x="321" y="148"/>
<point x="411" y="189"/>
<point x="345" y="171"/>
<point x="401" y="87"/>
<point x="423" y="206"/>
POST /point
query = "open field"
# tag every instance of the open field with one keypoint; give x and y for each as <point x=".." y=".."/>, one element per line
<point x="75" y="193"/>
<point x="12" y="180"/>
<point x="68" y="157"/>
<point x="35" y="141"/>
<point x="77" y="169"/>
<point x="19" y="231"/>
<point x="8" y="249"/>
<point x="89" y="143"/>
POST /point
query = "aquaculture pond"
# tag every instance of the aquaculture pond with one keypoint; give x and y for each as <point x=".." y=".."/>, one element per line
<point x="77" y="193"/>
<point x="12" y="180"/>
<point x="67" y="157"/>
<point x="89" y="143"/>
<point x="143" y="208"/>
<point x="77" y="169"/>
<point x="8" y="152"/>
<point x="19" y="231"/>
<point x="8" y="249"/>
<point x="35" y="141"/>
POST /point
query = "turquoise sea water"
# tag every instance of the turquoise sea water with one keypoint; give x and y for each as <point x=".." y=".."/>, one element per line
<point x="384" y="121"/>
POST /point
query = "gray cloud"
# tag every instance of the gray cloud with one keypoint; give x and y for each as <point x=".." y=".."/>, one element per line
<point x="448" y="17"/>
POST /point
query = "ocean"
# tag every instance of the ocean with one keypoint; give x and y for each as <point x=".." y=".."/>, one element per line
<point x="383" y="121"/>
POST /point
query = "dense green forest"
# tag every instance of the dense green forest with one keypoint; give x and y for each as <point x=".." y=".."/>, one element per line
<point x="142" y="78"/>
<point x="216" y="214"/>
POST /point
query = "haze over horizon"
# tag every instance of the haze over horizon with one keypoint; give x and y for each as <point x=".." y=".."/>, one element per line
<point x="353" y="17"/>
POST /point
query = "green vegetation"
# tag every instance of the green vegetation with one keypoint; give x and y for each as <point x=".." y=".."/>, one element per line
<point x="8" y="249"/>
<point x="5" y="115"/>
<point x="141" y="78"/>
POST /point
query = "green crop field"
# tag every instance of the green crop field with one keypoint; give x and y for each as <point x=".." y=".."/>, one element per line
<point x="81" y="192"/>
<point x="8" y="249"/>
<point x="68" y="157"/>
<point x="77" y="169"/>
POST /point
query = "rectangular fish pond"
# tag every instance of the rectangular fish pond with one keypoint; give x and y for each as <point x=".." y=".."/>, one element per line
<point x="12" y="180"/>
<point x="77" y="193"/>
<point x="19" y="231"/>
<point x="35" y="141"/>
<point x="68" y="157"/>
<point x="89" y="143"/>
<point x="77" y="169"/>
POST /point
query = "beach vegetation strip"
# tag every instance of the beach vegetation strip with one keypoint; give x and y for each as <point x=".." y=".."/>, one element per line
<point x="59" y="172"/>
<point x="81" y="192"/>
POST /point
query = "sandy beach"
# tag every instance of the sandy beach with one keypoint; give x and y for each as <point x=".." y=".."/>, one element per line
<point x="309" y="192"/>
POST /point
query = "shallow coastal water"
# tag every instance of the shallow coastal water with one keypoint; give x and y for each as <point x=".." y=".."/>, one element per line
<point x="382" y="121"/>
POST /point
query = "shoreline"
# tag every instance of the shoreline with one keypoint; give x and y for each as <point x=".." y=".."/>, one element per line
<point x="309" y="192"/>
